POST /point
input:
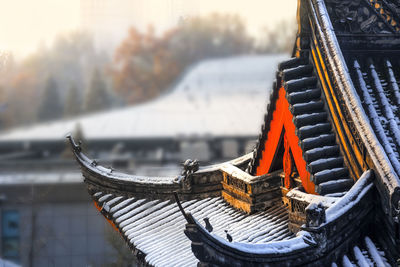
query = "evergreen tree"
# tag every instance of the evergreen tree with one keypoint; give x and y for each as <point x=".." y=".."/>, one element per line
<point x="72" y="102"/>
<point x="50" y="107"/>
<point x="97" y="97"/>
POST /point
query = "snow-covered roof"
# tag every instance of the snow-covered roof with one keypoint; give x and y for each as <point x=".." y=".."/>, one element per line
<point x="154" y="227"/>
<point x="40" y="178"/>
<point x="218" y="97"/>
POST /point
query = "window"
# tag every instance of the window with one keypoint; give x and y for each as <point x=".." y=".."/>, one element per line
<point x="10" y="234"/>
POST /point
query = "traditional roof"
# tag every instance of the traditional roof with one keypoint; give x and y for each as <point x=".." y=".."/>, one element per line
<point x="154" y="227"/>
<point x="365" y="253"/>
<point x="308" y="121"/>
<point x="328" y="150"/>
<point x="376" y="80"/>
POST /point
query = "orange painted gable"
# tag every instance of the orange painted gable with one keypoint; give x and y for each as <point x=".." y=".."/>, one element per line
<point x="282" y="124"/>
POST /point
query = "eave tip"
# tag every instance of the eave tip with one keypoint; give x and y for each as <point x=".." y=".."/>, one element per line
<point x="76" y="147"/>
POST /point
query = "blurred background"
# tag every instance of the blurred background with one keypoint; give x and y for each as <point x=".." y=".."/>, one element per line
<point x="145" y="84"/>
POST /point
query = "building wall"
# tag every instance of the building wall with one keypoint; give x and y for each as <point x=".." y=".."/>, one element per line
<point x="66" y="232"/>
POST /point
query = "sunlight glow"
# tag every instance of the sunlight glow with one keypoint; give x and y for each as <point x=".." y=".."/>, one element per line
<point x="24" y="24"/>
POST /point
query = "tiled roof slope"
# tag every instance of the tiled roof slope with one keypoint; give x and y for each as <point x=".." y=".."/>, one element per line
<point x="154" y="228"/>
<point x="365" y="253"/>
<point x="377" y="80"/>
<point x="313" y="127"/>
<point x="348" y="222"/>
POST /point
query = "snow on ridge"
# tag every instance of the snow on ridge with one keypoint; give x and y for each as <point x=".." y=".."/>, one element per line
<point x="351" y="198"/>
<point x="216" y="97"/>
<point x="353" y="102"/>
<point x="274" y="247"/>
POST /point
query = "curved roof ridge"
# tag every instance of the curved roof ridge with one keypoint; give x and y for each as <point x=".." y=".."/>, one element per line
<point x="352" y="100"/>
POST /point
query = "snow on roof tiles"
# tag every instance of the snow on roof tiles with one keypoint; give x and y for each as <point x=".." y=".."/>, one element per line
<point x="154" y="227"/>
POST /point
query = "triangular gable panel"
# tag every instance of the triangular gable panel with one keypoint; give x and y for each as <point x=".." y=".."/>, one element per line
<point x="282" y="122"/>
<point x="298" y="108"/>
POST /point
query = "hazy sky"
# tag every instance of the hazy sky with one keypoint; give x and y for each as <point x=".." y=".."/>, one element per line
<point x="26" y="23"/>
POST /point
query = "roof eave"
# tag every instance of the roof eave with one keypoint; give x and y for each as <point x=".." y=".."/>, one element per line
<point x="318" y="244"/>
<point x="206" y="182"/>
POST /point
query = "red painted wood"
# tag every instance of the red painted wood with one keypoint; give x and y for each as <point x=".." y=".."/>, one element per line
<point x="282" y="119"/>
<point x="287" y="164"/>
<point x="109" y="221"/>
<point x="274" y="134"/>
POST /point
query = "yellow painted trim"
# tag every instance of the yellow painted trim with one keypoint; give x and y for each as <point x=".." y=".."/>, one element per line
<point x="236" y="203"/>
<point x="298" y="41"/>
<point x="333" y="104"/>
<point x="234" y="190"/>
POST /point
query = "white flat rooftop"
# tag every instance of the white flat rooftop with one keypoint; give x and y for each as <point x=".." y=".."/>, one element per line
<point x="219" y="97"/>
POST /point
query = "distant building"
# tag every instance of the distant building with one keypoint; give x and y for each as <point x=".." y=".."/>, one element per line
<point x="48" y="220"/>
<point x="202" y="117"/>
<point x="215" y="108"/>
